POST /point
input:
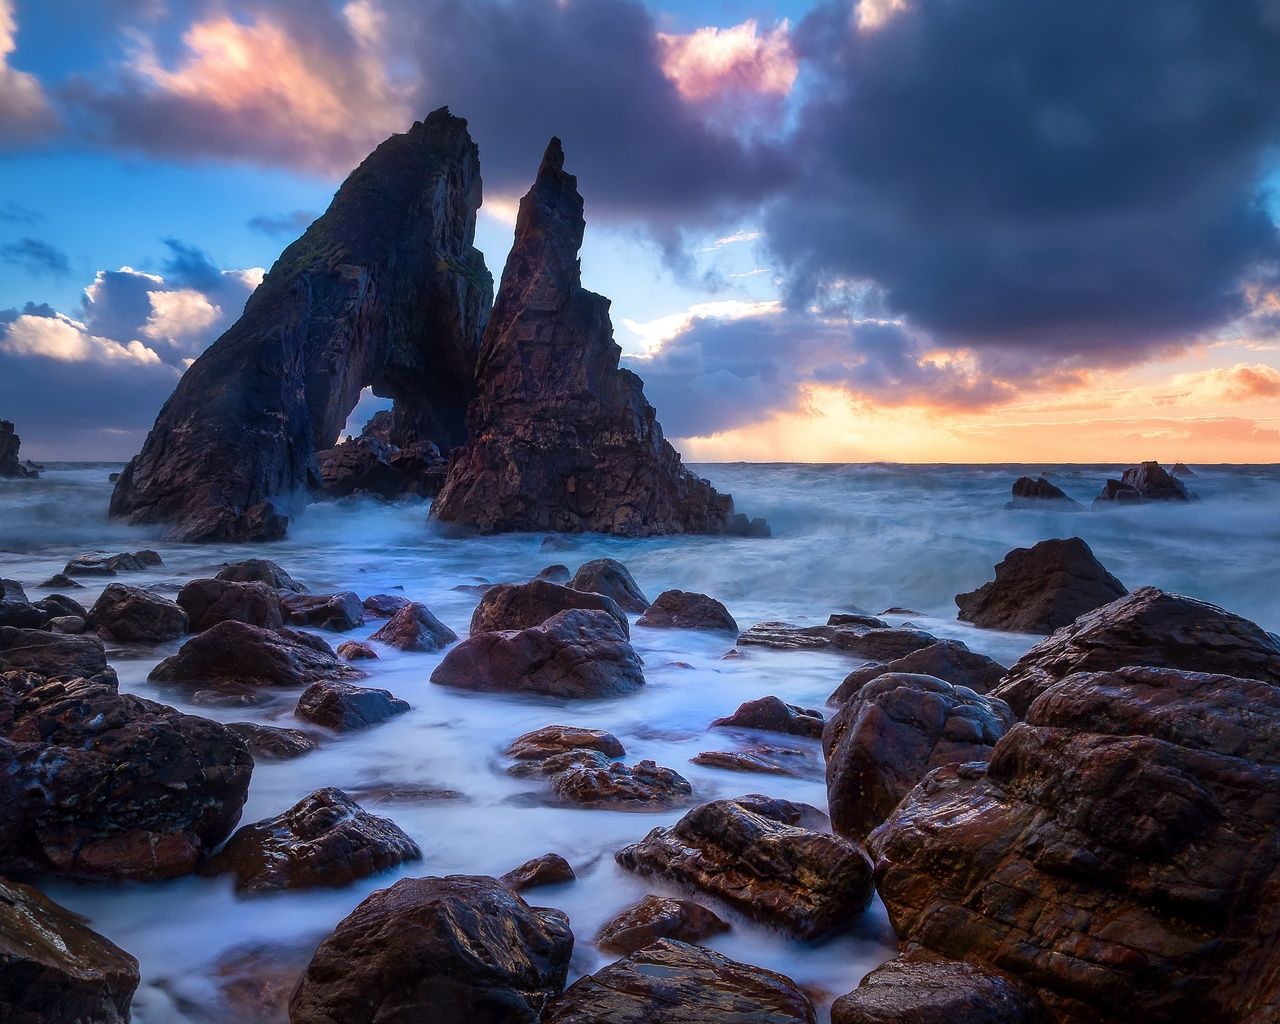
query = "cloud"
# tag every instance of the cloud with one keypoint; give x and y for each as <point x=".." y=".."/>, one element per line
<point x="36" y="257"/>
<point x="60" y="338"/>
<point x="715" y="63"/>
<point x="16" y="213"/>
<point x="25" y="113"/>
<point x="283" y="225"/>
<point x="1241" y="382"/>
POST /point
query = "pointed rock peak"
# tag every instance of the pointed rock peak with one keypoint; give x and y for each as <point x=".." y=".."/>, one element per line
<point x="552" y="159"/>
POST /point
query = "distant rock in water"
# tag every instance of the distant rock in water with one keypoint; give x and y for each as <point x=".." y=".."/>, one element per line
<point x="1181" y="469"/>
<point x="560" y="437"/>
<point x="1147" y="482"/>
<point x="10" y="467"/>
<point x="386" y="290"/>
<point x="1040" y="493"/>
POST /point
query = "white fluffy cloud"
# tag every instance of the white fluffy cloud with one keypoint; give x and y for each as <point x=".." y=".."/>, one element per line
<point x="69" y="341"/>
<point x="24" y="108"/>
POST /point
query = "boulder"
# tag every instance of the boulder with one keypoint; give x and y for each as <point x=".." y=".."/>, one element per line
<point x="554" y="574"/>
<point x="11" y="467"/>
<point x="1182" y="470"/>
<point x="98" y="564"/>
<point x="554" y="764"/>
<point x="919" y="988"/>
<point x="270" y="743"/>
<point x="383" y="606"/>
<point x="947" y="659"/>
<point x="54" y="656"/>
<point x="208" y="602"/>
<point x="16" y="610"/>
<point x="56" y="605"/>
<point x="658" y="917"/>
<point x="372" y="464"/>
<point x="892" y="733"/>
<point x="1118" y="854"/>
<point x="325" y="840"/>
<point x="549" y="869"/>
<point x="750" y="854"/>
<point x="1040" y="588"/>
<point x="873" y="643"/>
<point x="556" y="739"/>
<point x="1148" y="627"/>
<point x="60" y="581"/>
<point x="414" y="628"/>
<point x="385" y="290"/>
<point x="561" y="438"/>
<point x="1040" y="493"/>
<point x="611" y="578"/>
<point x="337" y="612"/>
<point x="857" y="619"/>
<point x="575" y="654"/>
<point x="235" y="653"/>
<point x="764" y="759"/>
<point x="524" y="605"/>
<point x="770" y="714"/>
<point x="260" y="570"/>
<point x="108" y="786"/>
<point x="1115" y="492"/>
<point x="1149" y="481"/>
<point x="455" y="950"/>
<point x="680" y="609"/>
<point x="132" y="615"/>
<point x="615" y="785"/>
<point x="71" y="624"/>
<point x="356" y="650"/>
<point x="675" y="983"/>
<point x="55" y="969"/>
<point x="346" y="708"/>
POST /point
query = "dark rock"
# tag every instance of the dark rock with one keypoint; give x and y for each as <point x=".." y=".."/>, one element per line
<point x="767" y="760"/>
<point x="561" y="438"/>
<point x="947" y="659"/>
<point x="1040" y="588"/>
<point x="675" y="983"/>
<point x="54" y="656"/>
<point x="892" y="733"/>
<point x="554" y="764"/>
<point x="770" y="714"/>
<point x="856" y="619"/>
<point x="919" y="988"/>
<point x="456" y="950"/>
<point x="658" y="917"/>
<point x="16" y="610"/>
<point x="132" y="615"/>
<point x="235" y="653"/>
<point x="414" y="628"/>
<point x="73" y="625"/>
<point x="383" y="606"/>
<point x="255" y="980"/>
<point x="1148" y="482"/>
<point x="578" y="653"/>
<point x="642" y="786"/>
<point x="404" y="793"/>
<point x="60" y="605"/>
<point x="370" y="464"/>
<point x="356" y="650"/>
<point x="1182" y="470"/>
<point x="681" y="609"/>
<point x="554" y="574"/>
<point x="60" y="581"/>
<point x="208" y="602"/>
<point x="98" y="564"/>
<point x="1118" y="854"/>
<point x="385" y="290"/>
<point x="1118" y="493"/>
<point x="346" y="708"/>
<point x="337" y="612"/>
<point x="269" y="743"/>
<point x="260" y="570"/>
<point x="556" y="739"/>
<point x="1040" y="493"/>
<point x="524" y="605"/>
<point x="324" y="840"/>
<point x="556" y="543"/>
<point x="1148" y="627"/>
<point x="549" y="869"/>
<point x="611" y="578"/>
<point x="108" y="786"/>
<point x="54" y="969"/>
<point x="746" y="853"/>
<point x="869" y="642"/>
<point x="11" y="467"/>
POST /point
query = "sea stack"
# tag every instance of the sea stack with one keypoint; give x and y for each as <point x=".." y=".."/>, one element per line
<point x="386" y="290"/>
<point x="10" y="466"/>
<point x="561" y="438"/>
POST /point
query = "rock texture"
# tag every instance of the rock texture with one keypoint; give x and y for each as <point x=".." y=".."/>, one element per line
<point x="675" y="983"/>
<point x="415" y="628"/>
<point x="456" y="950"/>
<point x="346" y="708"/>
<point x="385" y="290"/>
<point x="133" y="615"/>
<point x="658" y="917"/>
<point x="1040" y="588"/>
<point x="1148" y="627"/>
<point x="524" y="605"/>
<point x="892" y="733"/>
<point x="1040" y="493"/>
<point x="560" y="437"/>
<point x="682" y="609"/>
<point x="237" y="654"/>
<point x="338" y="612"/>
<point x="770" y="714"/>
<point x="1118" y="854"/>
<point x="208" y="602"/>
<point x="54" y="656"/>
<point x="578" y="653"/>
<point x="557" y="739"/>
<point x="11" y="467"/>
<point x="54" y="969"/>
<point x="873" y="643"/>
<point x="764" y="759"/>
<point x="1148" y="482"/>
<point x="750" y="854"/>
<point x="642" y="786"/>
<point x="947" y="659"/>
<point x="372" y="463"/>
<point x="549" y="869"/>
<point x="260" y="570"/>
<point x="611" y="578"/>
<point x="269" y="743"/>
<point x="97" y="563"/>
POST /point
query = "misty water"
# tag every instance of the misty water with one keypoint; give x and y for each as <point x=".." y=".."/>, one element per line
<point x="846" y="538"/>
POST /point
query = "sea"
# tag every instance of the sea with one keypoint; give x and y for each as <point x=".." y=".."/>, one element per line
<point x="845" y="538"/>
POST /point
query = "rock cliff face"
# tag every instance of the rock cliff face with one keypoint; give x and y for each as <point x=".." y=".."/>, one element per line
<point x="10" y="467"/>
<point x="560" y="437"/>
<point x="385" y="290"/>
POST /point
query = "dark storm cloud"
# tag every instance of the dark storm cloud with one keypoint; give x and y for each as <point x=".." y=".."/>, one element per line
<point x="283" y="225"/>
<point x="36" y="257"/>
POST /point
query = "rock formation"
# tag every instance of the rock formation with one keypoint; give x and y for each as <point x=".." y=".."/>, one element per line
<point x="947" y="659"/>
<point x="1040" y="493"/>
<point x="385" y="290"/>
<point x="560" y="437"/>
<point x="658" y="917"/>
<point x="1147" y="482"/>
<point x="372" y="463"/>
<point x="10" y="466"/>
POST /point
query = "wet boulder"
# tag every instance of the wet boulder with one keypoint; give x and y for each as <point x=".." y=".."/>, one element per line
<point x="71" y="624"/>
<point x="892" y="733"/>
<point x="771" y="714"/>
<point x="1116" y="492"/>
<point x="873" y="643"/>
<point x="611" y="578"/>
<point x="556" y="739"/>
<point x="525" y="605"/>
<point x="1040" y="588"/>
<point x="383" y="606"/>
<point x="236" y="653"/>
<point x="681" y="609"/>
<point x="271" y="743"/>
<point x="55" y="969"/>
<point x="658" y="917"/>
<point x="750" y="854"/>
<point x="16" y="610"/>
<point x="336" y="612"/>
<point x="415" y="628"/>
<point x="763" y="759"/>
<point x="96" y="563"/>
<point x="1149" y="481"/>
<point x="643" y="786"/>
<point x="59" y="605"/>
<point x="355" y="650"/>
<point x="260" y="570"/>
<point x="553" y="764"/>
<point x="343" y="707"/>
<point x="60" y="581"/>
<point x="325" y="840"/>
<point x="556" y="573"/>
<point x="575" y="654"/>
<point x="54" y="655"/>
<point x="208" y="602"/>
<point x="455" y="950"/>
<point x="1039" y="493"/>
<point x="132" y="615"/>
<point x="675" y="983"/>
<point x="549" y="869"/>
<point x="947" y="659"/>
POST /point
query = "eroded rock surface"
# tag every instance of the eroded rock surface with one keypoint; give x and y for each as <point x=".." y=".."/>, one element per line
<point x="646" y="785"/>
<point x="271" y="743"/>
<point x="557" y="739"/>
<point x="415" y="628"/>
<point x="260" y="570"/>
<point x="549" y="869"/>
<point x="524" y="605"/>
<point x="11" y="467"/>
<point x="208" y="602"/>
<point x="611" y="578"/>
<point x="54" y="655"/>
<point x="1149" y="481"/>
<point x="874" y="643"/>
<point x="133" y="615"/>
<point x="338" y="612"/>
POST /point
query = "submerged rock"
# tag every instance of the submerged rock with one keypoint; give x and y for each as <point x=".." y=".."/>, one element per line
<point x="611" y="578"/>
<point x="385" y="290"/>
<point x="765" y="759"/>
<point x="1148" y="482"/>
<point x="681" y="609"/>
<point x="557" y="739"/>
<point x="770" y="714"/>
<point x="560" y="437"/>
<point x="549" y="869"/>
<point x="1182" y="470"/>
<point x="346" y="708"/>
<point x="235" y="653"/>
<point x="658" y="917"/>
<point x="873" y="643"/>
<point x="414" y="628"/>
<point x="260" y="570"/>
<point x="950" y="660"/>
<point x="1040" y="493"/>
<point x="556" y="573"/>
<point x="455" y="950"/>
<point x="99" y="564"/>
<point x="270" y="743"/>
<point x="338" y="612"/>
<point x="208" y="602"/>
<point x="132" y="615"/>
<point x="615" y="785"/>
<point x="1040" y="588"/>
<point x="11" y="467"/>
<point x="524" y="605"/>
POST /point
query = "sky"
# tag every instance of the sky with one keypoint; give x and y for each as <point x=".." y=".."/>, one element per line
<point x="831" y="230"/>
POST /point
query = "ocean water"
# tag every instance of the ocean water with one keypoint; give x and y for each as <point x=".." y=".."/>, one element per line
<point x="846" y="538"/>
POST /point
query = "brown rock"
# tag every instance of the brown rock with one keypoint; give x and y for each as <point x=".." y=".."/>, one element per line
<point x="549" y="869"/>
<point x="346" y="708"/>
<point x="856" y="619"/>
<point x="658" y="917"/>
<point x="132" y="615"/>
<point x="54" y="656"/>
<point x="338" y="612"/>
<point x="556" y="739"/>
<point x="235" y="653"/>
<point x="60" y="581"/>
<point x="767" y="760"/>
<point x="611" y="578"/>
<point x="636" y="787"/>
<point x="208" y="602"/>
<point x="1039" y="493"/>
<point x="260" y="570"/>
<point x="269" y="743"/>
<point x="525" y="605"/>
<point x="356" y="650"/>
<point x="383" y="606"/>
<point x="873" y="643"/>
<point x="73" y="625"/>
<point x="554" y="764"/>
<point x="557" y="573"/>
<point x="454" y="950"/>
<point x="96" y="563"/>
<point x="1147" y="482"/>
<point x="680" y="609"/>
<point x="947" y="659"/>
<point x="414" y="628"/>
<point x="770" y="714"/>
